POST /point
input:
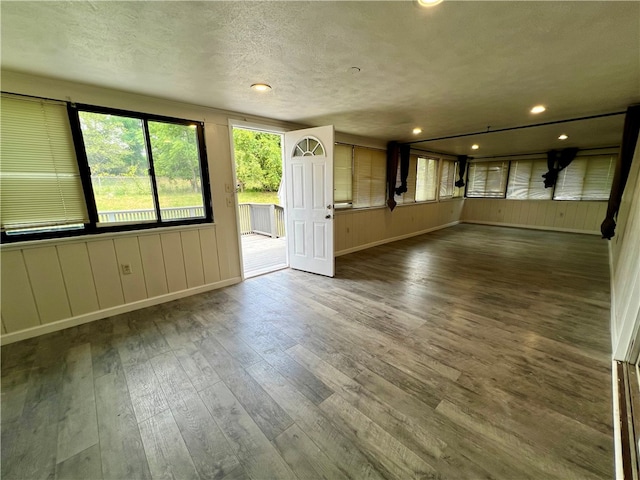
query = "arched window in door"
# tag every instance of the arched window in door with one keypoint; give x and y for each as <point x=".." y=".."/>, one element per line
<point x="308" y="147"/>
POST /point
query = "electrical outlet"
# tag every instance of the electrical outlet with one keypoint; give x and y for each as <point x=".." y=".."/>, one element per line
<point x="126" y="268"/>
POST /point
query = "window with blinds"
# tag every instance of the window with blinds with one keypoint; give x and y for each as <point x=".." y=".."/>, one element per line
<point x="487" y="179"/>
<point x="370" y="173"/>
<point x="342" y="175"/>
<point x="39" y="176"/>
<point x="448" y="177"/>
<point x="587" y="178"/>
<point x="427" y="179"/>
<point x="410" y="195"/>
<point x="526" y="182"/>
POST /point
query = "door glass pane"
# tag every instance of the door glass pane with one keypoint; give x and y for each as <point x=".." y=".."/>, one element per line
<point x="119" y="165"/>
<point x="176" y="163"/>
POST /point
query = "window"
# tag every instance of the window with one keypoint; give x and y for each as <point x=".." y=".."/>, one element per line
<point x="370" y="173"/>
<point x="69" y="170"/>
<point x="426" y="179"/>
<point x="342" y="175"/>
<point x="487" y="179"/>
<point x="526" y="181"/>
<point x="587" y="178"/>
<point x="448" y="177"/>
<point x="39" y="175"/>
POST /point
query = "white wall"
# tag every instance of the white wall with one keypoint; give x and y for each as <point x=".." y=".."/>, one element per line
<point x="567" y="216"/>
<point x="625" y="266"/>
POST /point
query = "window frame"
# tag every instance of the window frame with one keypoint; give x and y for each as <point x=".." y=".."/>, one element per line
<point x="93" y="227"/>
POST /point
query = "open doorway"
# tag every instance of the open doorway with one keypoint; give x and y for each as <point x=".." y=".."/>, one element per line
<point x="260" y="195"/>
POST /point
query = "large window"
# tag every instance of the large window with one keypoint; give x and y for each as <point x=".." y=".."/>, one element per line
<point x="426" y="179"/>
<point x="487" y="179"/>
<point x="71" y="170"/>
<point x="448" y="177"/>
<point x="370" y="174"/>
<point x="587" y="178"/>
<point x="342" y="175"/>
<point x="526" y="181"/>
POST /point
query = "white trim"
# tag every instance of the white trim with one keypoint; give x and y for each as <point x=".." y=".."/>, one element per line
<point x="393" y="239"/>
<point x="109" y="312"/>
<point x="617" y="433"/>
<point x="532" y="227"/>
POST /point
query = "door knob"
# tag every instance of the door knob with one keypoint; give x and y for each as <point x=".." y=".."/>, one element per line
<point x="327" y="216"/>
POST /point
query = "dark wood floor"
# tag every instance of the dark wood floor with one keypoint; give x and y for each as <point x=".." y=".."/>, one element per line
<point x="471" y="352"/>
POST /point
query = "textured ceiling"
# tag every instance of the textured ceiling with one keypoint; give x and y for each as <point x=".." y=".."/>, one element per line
<point x="455" y="68"/>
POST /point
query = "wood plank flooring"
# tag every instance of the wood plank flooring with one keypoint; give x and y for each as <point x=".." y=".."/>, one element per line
<point x="473" y="352"/>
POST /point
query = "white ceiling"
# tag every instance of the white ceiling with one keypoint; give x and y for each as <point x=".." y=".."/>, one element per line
<point x="455" y="68"/>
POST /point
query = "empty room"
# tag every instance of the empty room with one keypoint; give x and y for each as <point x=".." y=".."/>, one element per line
<point x="322" y="239"/>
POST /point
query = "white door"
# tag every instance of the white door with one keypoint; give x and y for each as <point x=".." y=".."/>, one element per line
<point x="309" y="185"/>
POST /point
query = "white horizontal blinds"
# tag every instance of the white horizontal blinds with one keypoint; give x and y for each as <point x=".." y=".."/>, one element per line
<point x="587" y="178"/>
<point x="39" y="175"/>
<point x="447" y="179"/>
<point x="342" y="174"/>
<point x="427" y="179"/>
<point x="487" y="179"/>
<point x="526" y="182"/>
<point x="410" y="195"/>
<point x="369" y="182"/>
<point x="599" y="177"/>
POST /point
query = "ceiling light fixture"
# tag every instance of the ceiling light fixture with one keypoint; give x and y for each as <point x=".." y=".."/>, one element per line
<point x="538" y="109"/>
<point x="261" y="87"/>
<point x="563" y="137"/>
<point x="417" y="130"/>
<point x="428" y="3"/>
<point x="475" y="146"/>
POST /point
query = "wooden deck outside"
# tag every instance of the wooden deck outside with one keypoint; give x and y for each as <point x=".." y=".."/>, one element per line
<point x="262" y="254"/>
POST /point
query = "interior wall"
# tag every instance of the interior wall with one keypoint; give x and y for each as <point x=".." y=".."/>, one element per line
<point x="625" y="266"/>
<point x="566" y="216"/>
<point x="357" y="229"/>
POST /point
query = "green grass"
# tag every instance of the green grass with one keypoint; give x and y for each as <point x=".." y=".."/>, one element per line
<point x="117" y="194"/>
<point x="258" y="197"/>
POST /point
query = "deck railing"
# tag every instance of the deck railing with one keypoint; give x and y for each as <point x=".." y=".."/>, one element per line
<point x="142" y="215"/>
<point x="262" y="218"/>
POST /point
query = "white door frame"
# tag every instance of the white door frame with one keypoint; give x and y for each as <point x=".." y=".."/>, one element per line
<point x="261" y="127"/>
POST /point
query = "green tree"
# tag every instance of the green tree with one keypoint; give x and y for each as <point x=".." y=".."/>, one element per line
<point x="258" y="159"/>
<point x="175" y="152"/>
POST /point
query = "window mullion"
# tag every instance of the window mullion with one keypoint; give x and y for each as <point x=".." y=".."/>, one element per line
<point x="83" y="166"/>
<point x="152" y="172"/>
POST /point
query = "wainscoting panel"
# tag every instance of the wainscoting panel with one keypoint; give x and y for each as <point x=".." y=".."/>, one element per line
<point x="67" y="280"/>
<point x="582" y="217"/>
<point x="18" y="305"/>
<point x="78" y="278"/>
<point x="47" y="284"/>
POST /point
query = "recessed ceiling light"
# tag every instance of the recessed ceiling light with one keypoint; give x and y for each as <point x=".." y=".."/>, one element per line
<point x="475" y="146"/>
<point x="538" y="109"/>
<point x="428" y="3"/>
<point x="563" y="137"/>
<point x="417" y="130"/>
<point x="261" y="87"/>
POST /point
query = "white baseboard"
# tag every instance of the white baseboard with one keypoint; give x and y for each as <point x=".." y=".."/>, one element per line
<point x="617" y="432"/>
<point x="393" y="239"/>
<point x="109" y="312"/>
<point x="532" y="227"/>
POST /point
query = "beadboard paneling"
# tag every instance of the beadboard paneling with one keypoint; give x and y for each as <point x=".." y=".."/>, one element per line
<point x="544" y="214"/>
<point x="47" y="283"/>
<point x="128" y="252"/>
<point x="19" y="309"/>
<point x="192" y="258"/>
<point x="78" y="278"/>
<point x="173" y="261"/>
<point x="155" y="277"/>
<point x="209" y="247"/>
<point x="106" y="273"/>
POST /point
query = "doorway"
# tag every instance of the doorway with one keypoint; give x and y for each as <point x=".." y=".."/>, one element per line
<point x="258" y="162"/>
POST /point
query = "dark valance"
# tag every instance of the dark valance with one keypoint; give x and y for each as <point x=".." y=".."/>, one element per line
<point x="621" y="173"/>
<point x="556" y="162"/>
<point x="462" y="167"/>
<point x="393" y="151"/>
